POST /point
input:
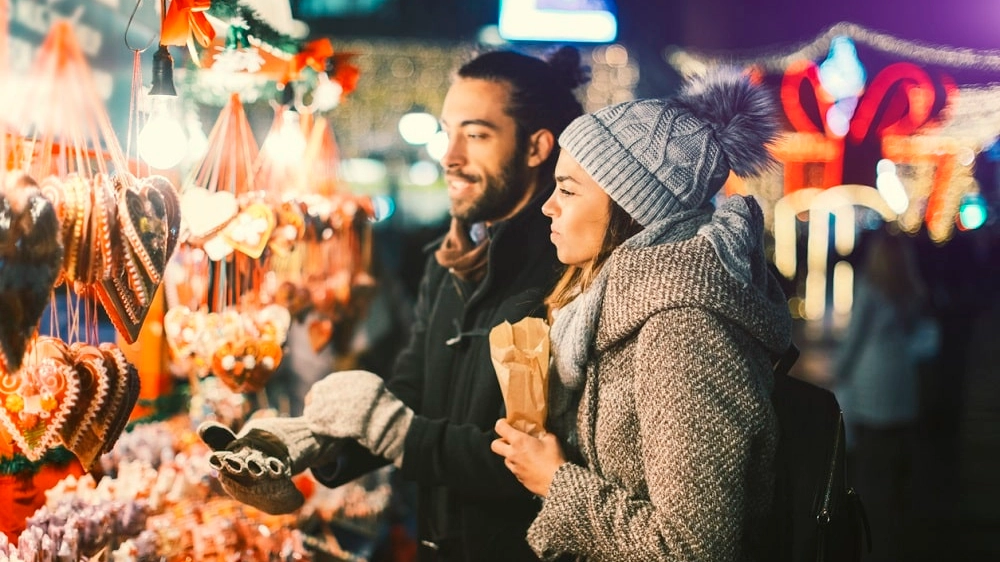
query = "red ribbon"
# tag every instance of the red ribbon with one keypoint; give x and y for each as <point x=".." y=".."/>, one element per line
<point x="345" y="73"/>
<point x="798" y="73"/>
<point x="898" y="101"/>
<point x="184" y="18"/>
<point x="314" y="54"/>
<point x="905" y="95"/>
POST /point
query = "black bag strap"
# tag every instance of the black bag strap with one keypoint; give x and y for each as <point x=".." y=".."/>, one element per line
<point x="829" y="506"/>
<point x="783" y="363"/>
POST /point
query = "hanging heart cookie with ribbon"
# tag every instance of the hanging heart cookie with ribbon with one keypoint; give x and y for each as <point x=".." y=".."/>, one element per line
<point x="251" y="230"/>
<point x="246" y="366"/>
<point x="149" y="218"/>
<point x="289" y="227"/>
<point x="126" y="394"/>
<point x="104" y="236"/>
<point x="31" y="257"/>
<point x="93" y="380"/>
<point x="96" y="434"/>
<point x="77" y="396"/>
<point x="205" y="213"/>
<point x="37" y="400"/>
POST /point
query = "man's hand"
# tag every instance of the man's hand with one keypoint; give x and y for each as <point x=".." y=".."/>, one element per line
<point x="533" y="460"/>
<point x="256" y="466"/>
<point x="356" y="405"/>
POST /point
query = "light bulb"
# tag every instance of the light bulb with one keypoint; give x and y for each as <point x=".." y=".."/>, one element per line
<point x="287" y="144"/>
<point x="162" y="141"/>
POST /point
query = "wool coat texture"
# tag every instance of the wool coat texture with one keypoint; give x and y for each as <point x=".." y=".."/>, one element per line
<point x="469" y="505"/>
<point x="675" y="430"/>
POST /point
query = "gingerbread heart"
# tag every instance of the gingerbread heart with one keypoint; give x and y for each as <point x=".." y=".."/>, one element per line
<point x="149" y="224"/>
<point x="104" y="234"/>
<point x="88" y="442"/>
<point x="251" y="230"/>
<point x="76" y="205"/>
<point x="93" y="400"/>
<point x="114" y="418"/>
<point x="182" y="328"/>
<point x="172" y="203"/>
<point x="36" y="402"/>
<point x="289" y="227"/>
<point x="246" y="366"/>
<point x="149" y="214"/>
<point x="272" y="322"/>
<point x="205" y="212"/>
<point x="31" y="257"/>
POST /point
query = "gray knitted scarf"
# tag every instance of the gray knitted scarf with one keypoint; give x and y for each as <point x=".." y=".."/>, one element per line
<point x="735" y="232"/>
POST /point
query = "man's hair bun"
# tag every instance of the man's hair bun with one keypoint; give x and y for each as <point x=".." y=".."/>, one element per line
<point x="566" y="68"/>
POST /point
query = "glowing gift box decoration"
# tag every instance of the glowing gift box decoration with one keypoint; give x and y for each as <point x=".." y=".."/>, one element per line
<point x="811" y="155"/>
<point x="809" y="159"/>
<point x="936" y="172"/>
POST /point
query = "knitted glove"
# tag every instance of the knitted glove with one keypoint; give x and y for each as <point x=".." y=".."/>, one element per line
<point x="256" y="466"/>
<point x="356" y="405"/>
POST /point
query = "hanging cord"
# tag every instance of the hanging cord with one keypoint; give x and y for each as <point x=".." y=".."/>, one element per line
<point x="133" y="106"/>
<point x="128" y="26"/>
<point x="135" y="96"/>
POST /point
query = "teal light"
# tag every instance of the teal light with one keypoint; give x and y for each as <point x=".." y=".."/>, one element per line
<point x="972" y="212"/>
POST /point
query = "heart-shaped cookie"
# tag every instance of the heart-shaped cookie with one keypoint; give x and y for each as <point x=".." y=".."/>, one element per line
<point x="31" y="256"/>
<point x="104" y="234"/>
<point x="172" y="202"/>
<point x="251" y="230"/>
<point x="77" y="202"/>
<point x="272" y="322"/>
<point x="205" y="212"/>
<point x="93" y="377"/>
<point x="148" y="212"/>
<point x="114" y="418"/>
<point x="37" y="400"/>
<point x="182" y="328"/>
<point x="289" y="227"/>
<point x="149" y="224"/>
<point x="246" y="366"/>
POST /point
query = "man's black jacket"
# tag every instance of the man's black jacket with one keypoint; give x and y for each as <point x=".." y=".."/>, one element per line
<point x="468" y="502"/>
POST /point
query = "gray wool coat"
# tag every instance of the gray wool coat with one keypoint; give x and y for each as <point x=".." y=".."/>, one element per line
<point x="675" y="424"/>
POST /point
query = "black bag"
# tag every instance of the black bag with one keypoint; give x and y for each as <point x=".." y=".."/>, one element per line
<point x="817" y="515"/>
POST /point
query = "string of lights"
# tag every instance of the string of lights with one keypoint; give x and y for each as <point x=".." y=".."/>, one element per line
<point x="692" y="62"/>
<point x="974" y="115"/>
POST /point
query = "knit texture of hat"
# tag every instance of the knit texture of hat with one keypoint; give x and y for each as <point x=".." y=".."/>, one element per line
<point x="656" y="157"/>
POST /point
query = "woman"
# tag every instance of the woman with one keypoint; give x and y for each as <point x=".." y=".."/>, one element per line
<point x="664" y="328"/>
<point x="877" y="371"/>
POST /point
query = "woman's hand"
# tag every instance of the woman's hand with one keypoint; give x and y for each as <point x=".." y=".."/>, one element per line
<point x="533" y="460"/>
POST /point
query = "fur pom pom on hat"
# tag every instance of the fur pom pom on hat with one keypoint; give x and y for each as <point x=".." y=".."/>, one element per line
<point x="655" y="157"/>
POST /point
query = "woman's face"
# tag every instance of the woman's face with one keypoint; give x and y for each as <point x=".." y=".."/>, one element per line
<point x="580" y="211"/>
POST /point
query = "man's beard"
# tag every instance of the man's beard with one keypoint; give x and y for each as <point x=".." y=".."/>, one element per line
<point x="501" y="193"/>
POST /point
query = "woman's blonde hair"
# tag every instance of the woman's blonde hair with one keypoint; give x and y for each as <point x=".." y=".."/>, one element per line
<point x="576" y="279"/>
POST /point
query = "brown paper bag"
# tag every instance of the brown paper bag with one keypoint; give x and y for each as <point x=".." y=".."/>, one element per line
<point x="520" y="354"/>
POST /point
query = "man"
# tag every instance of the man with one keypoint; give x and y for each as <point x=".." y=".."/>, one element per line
<point x="434" y="416"/>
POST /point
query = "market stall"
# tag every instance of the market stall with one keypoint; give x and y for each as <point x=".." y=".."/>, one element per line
<point x="200" y="269"/>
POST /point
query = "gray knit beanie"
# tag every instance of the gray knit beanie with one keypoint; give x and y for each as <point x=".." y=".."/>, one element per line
<point x="656" y="157"/>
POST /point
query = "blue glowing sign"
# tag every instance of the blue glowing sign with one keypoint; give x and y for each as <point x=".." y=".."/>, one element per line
<point x="569" y="21"/>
